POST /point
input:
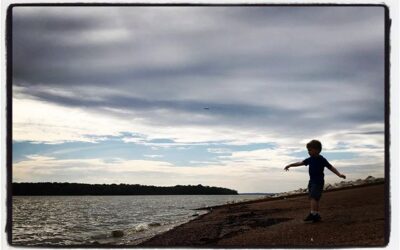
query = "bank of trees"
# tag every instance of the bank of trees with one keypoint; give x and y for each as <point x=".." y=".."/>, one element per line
<point x="56" y="188"/>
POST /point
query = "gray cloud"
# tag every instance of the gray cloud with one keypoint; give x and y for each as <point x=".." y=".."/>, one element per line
<point x="270" y="68"/>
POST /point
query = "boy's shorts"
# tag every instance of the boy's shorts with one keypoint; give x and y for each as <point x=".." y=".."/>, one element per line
<point x="315" y="190"/>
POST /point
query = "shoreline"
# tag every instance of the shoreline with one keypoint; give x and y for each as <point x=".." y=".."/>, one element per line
<point x="282" y="197"/>
<point x="269" y="221"/>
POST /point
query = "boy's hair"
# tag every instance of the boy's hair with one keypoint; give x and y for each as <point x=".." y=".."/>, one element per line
<point x="315" y="144"/>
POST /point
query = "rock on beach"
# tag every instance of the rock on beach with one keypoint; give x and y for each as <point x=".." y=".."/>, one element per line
<point x="117" y="233"/>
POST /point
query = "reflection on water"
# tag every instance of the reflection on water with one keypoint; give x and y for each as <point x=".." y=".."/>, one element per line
<point x="82" y="220"/>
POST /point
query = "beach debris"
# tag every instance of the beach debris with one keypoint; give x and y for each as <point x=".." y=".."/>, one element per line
<point x="328" y="187"/>
<point x="117" y="233"/>
<point x="141" y="227"/>
<point x="370" y="179"/>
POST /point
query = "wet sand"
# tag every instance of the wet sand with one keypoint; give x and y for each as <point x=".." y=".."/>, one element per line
<point x="350" y="217"/>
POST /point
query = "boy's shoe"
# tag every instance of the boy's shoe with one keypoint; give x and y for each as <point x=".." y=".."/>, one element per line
<point x="310" y="217"/>
<point x="316" y="218"/>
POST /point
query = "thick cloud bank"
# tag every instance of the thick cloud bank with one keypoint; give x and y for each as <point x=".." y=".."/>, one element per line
<point x="233" y="75"/>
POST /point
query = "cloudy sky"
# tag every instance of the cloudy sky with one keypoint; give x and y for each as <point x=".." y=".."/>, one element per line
<point x="220" y="96"/>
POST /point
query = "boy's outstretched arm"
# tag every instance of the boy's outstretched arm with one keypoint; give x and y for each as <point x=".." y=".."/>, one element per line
<point x="296" y="164"/>
<point x="334" y="170"/>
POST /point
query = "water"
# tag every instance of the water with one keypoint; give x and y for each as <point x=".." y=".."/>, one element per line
<point x="84" y="220"/>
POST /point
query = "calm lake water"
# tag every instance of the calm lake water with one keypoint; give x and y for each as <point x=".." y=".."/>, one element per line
<point x="82" y="220"/>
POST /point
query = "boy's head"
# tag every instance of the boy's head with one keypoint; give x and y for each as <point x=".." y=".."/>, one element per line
<point x="314" y="147"/>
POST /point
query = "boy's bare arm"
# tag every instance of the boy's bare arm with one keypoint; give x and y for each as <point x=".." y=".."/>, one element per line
<point x="334" y="170"/>
<point x="296" y="164"/>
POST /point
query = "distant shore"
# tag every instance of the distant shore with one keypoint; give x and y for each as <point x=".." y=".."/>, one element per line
<point x="352" y="216"/>
<point x="68" y="189"/>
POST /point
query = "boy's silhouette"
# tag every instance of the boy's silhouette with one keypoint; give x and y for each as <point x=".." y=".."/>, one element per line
<point x="316" y="164"/>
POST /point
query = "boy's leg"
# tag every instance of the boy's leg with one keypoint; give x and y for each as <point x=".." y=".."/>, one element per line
<point x="314" y="205"/>
<point x="315" y="192"/>
<point x="313" y="210"/>
<point x="317" y="217"/>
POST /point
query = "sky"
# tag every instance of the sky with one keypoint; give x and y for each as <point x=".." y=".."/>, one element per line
<point x="218" y="96"/>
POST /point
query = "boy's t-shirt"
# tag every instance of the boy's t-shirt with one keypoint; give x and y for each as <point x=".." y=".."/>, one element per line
<point x="316" y="165"/>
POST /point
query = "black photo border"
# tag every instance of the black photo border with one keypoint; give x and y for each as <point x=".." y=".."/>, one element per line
<point x="9" y="108"/>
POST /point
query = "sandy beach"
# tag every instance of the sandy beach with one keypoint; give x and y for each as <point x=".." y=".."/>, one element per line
<point x="350" y="217"/>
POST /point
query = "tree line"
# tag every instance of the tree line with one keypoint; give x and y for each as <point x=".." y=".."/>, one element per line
<point x="57" y="188"/>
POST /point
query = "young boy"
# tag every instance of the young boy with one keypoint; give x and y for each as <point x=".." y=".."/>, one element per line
<point x="316" y="164"/>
